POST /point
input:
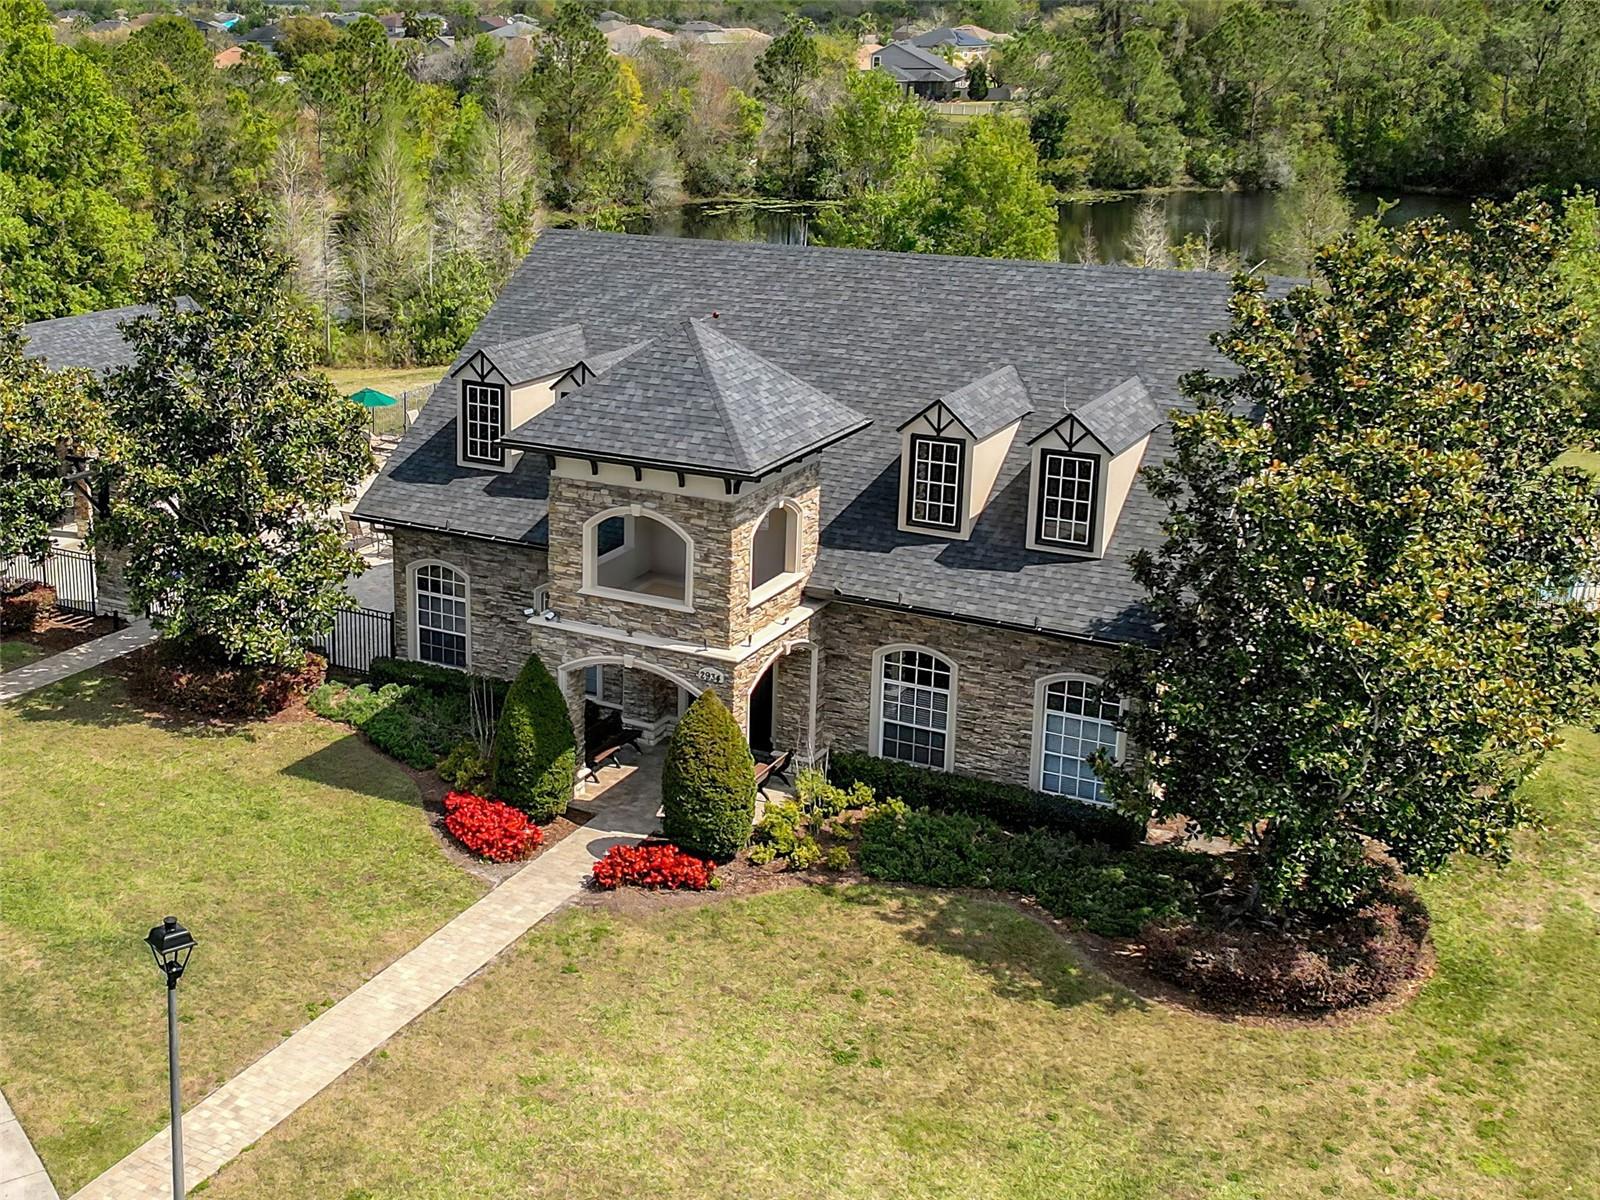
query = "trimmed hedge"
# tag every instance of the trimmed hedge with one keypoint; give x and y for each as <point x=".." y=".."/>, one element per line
<point x="535" y="759"/>
<point x="25" y="605"/>
<point x="407" y="722"/>
<point x="1112" y="892"/>
<point x="163" y="675"/>
<point x="439" y="679"/>
<point x="1016" y="808"/>
<point x="708" y="782"/>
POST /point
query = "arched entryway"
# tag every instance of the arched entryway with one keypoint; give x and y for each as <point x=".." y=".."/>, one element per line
<point x="764" y="712"/>
<point x="616" y="698"/>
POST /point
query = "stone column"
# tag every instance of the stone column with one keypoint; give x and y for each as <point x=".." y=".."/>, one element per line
<point x="111" y="586"/>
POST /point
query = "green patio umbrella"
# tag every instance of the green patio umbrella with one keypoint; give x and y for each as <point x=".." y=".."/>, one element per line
<point x="373" y="398"/>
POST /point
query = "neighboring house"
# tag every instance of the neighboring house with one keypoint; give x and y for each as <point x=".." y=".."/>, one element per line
<point x="628" y="40"/>
<point x="268" y="35"/>
<point x="919" y="71"/>
<point x="232" y="56"/>
<point x="667" y="465"/>
<point x="961" y="41"/>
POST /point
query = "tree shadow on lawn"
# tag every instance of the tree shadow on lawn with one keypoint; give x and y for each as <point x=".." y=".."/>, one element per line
<point x="99" y="699"/>
<point x="1023" y="959"/>
<point x="348" y="764"/>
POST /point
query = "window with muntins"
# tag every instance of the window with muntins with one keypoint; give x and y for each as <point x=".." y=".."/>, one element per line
<point x="914" y="696"/>
<point x="482" y="422"/>
<point x="1066" y="499"/>
<point x="934" y="498"/>
<point x="441" y="609"/>
<point x="1078" y="722"/>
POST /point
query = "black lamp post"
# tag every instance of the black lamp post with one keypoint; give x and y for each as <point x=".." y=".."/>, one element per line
<point x="171" y="944"/>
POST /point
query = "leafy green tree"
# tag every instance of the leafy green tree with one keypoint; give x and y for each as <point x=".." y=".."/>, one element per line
<point x="304" y="36"/>
<point x="708" y="782"/>
<point x="788" y="69"/>
<point x="229" y="452"/>
<point x="44" y="414"/>
<point x="1359" y="598"/>
<point x="982" y="197"/>
<point x="535" y="753"/>
<point x="578" y="86"/>
<point x="978" y="81"/>
<point x="874" y="132"/>
<point x="1314" y="210"/>
<point x="72" y="175"/>
<point x="1579" y="268"/>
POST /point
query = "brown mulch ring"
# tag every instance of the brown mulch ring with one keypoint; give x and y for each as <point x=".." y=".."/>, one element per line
<point x="64" y="630"/>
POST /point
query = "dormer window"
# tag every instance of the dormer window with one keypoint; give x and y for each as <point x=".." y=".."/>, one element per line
<point x="1066" y="499"/>
<point x="938" y="467"/>
<point x="952" y="452"/>
<point x="483" y="423"/>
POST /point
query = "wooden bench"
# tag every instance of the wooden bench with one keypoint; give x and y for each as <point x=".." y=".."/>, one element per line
<point x="604" y="738"/>
<point x="776" y="764"/>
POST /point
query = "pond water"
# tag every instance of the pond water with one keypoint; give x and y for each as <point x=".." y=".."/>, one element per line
<point x="1241" y="222"/>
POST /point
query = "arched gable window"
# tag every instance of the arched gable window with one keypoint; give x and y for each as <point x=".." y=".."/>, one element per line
<point x="440" y="626"/>
<point x="1075" y="719"/>
<point x="914" y="706"/>
<point x="637" y="554"/>
<point x="775" y="551"/>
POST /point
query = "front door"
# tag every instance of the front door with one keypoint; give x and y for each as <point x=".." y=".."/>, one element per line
<point x="761" y="716"/>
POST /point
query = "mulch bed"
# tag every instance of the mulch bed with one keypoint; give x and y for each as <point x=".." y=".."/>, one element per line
<point x="64" y="630"/>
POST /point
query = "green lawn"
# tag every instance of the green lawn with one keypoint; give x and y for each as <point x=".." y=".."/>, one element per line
<point x="300" y="858"/>
<point x="18" y="654"/>
<point x="394" y="381"/>
<point x="871" y="1042"/>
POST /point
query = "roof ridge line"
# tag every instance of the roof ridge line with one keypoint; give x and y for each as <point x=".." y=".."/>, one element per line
<point x="697" y="329"/>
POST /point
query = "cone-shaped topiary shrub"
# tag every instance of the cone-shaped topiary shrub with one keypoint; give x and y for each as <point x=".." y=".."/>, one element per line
<point x="535" y="755"/>
<point x="708" y="783"/>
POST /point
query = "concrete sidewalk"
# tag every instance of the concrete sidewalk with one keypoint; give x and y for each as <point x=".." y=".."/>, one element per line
<point x="22" y="1175"/>
<point x="250" y="1104"/>
<point x="57" y="667"/>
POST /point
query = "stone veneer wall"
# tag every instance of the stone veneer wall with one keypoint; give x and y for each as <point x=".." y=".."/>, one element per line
<point x="501" y="580"/>
<point x="722" y="532"/>
<point x="996" y="673"/>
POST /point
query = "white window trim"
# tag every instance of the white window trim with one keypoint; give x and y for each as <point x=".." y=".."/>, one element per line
<point x="504" y="462"/>
<point x="1037" y="766"/>
<point x="876" y="700"/>
<point x="785" y="579"/>
<point x="414" y="631"/>
<point x="591" y="561"/>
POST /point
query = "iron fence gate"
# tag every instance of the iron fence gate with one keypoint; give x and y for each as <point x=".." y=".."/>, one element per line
<point x="70" y="572"/>
<point x="358" y="636"/>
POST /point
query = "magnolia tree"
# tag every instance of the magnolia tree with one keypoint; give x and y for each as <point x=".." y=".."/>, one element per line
<point x="230" y="453"/>
<point x="1360" y="595"/>
<point x="44" y="416"/>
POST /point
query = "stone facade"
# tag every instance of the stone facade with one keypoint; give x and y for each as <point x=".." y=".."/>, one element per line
<point x="997" y="671"/>
<point x="502" y="578"/>
<point x="722" y="530"/>
<point x="996" y="676"/>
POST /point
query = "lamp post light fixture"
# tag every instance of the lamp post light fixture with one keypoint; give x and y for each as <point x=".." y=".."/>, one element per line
<point x="171" y="944"/>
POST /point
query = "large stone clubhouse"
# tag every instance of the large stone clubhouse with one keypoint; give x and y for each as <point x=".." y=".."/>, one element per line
<point x="878" y="502"/>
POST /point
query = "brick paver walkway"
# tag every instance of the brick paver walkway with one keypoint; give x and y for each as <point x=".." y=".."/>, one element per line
<point x="22" y="680"/>
<point x="239" y="1112"/>
<point x="22" y="1175"/>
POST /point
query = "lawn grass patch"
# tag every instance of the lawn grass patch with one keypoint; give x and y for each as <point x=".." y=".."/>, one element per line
<point x="19" y="654"/>
<point x="300" y="858"/>
<point x="869" y="1041"/>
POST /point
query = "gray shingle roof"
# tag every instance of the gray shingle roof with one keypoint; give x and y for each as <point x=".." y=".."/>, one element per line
<point x="89" y="340"/>
<point x="1118" y="418"/>
<point x="989" y="404"/>
<point x="693" y="398"/>
<point x="912" y="64"/>
<point x="874" y="330"/>
<point x="536" y="356"/>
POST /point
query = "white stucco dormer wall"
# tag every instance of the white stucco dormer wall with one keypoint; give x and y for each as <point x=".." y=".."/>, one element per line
<point x="981" y="461"/>
<point x="1114" y="476"/>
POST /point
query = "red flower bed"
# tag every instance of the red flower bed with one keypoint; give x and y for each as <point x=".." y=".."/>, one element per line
<point x="490" y="829"/>
<point x="652" y="865"/>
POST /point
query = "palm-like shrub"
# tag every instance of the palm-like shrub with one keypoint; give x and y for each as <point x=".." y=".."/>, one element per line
<point x="535" y="755"/>
<point x="708" y="783"/>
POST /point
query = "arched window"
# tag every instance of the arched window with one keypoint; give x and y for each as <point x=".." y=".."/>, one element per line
<point x="1076" y="720"/>
<point x="774" y="552"/>
<point x="440" y="608"/>
<point x="915" y="707"/>
<point x="639" y="555"/>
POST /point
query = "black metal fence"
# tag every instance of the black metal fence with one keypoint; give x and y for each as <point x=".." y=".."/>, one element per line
<point x="70" y="572"/>
<point x="358" y="636"/>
